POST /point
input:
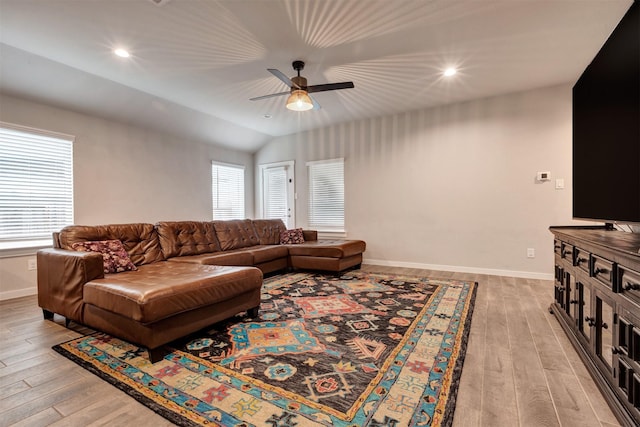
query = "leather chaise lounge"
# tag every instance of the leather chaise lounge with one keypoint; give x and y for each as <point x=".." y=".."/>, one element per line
<point x="189" y="275"/>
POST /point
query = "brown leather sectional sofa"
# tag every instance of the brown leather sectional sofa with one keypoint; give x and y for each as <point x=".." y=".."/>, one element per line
<point x="190" y="275"/>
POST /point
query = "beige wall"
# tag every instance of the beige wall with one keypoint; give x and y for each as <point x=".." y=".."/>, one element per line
<point x="123" y="174"/>
<point x="453" y="187"/>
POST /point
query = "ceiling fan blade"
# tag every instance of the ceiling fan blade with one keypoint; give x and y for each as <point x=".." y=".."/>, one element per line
<point x="330" y="86"/>
<point x="257" y="98"/>
<point x="286" y="80"/>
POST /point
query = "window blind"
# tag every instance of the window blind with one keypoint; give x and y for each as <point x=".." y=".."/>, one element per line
<point x="228" y="191"/>
<point x="36" y="183"/>
<point x="275" y="193"/>
<point x="326" y="195"/>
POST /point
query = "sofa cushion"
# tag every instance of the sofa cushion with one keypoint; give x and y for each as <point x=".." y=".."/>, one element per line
<point x="269" y="230"/>
<point x="291" y="237"/>
<point x="328" y="248"/>
<point x="266" y="253"/>
<point x="232" y="257"/>
<point x="184" y="238"/>
<point x="325" y="263"/>
<point x="114" y="258"/>
<point x="139" y="240"/>
<point x="164" y="289"/>
<point x="236" y="234"/>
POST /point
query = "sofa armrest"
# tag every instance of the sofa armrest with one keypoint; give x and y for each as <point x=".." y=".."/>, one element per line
<point x="310" y="235"/>
<point x="61" y="278"/>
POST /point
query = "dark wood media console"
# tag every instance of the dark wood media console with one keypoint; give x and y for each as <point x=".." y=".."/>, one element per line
<point x="597" y="302"/>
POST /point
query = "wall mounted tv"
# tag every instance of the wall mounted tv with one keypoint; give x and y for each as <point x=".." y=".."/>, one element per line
<point x="606" y="129"/>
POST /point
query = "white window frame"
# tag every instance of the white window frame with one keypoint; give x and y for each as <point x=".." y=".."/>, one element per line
<point x="335" y="225"/>
<point x="237" y="204"/>
<point x="49" y="153"/>
<point x="289" y="165"/>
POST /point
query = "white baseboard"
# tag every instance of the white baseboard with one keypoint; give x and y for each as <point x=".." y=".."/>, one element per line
<point x="461" y="269"/>
<point x="18" y="293"/>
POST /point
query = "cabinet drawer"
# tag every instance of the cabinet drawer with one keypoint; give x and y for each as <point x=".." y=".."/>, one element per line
<point x="557" y="246"/>
<point x="629" y="283"/>
<point x="581" y="259"/>
<point x="567" y="251"/>
<point x="602" y="269"/>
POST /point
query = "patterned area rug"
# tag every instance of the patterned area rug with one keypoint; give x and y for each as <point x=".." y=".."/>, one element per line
<point x="359" y="349"/>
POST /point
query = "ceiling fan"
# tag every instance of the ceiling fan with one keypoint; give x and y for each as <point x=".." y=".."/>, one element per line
<point x="299" y="99"/>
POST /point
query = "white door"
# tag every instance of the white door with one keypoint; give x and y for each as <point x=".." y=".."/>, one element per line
<point x="278" y="192"/>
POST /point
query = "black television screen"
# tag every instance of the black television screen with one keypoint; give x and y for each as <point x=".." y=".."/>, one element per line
<point x="606" y="129"/>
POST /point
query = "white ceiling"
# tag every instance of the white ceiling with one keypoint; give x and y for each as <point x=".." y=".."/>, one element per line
<point x="196" y="63"/>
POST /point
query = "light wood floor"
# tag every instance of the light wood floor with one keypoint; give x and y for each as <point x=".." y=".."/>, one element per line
<point x="520" y="369"/>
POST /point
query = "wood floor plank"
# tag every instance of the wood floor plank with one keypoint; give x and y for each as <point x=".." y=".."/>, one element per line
<point x="59" y="370"/>
<point x="97" y="391"/>
<point x="499" y="406"/>
<point x="572" y="404"/>
<point x="130" y="414"/>
<point x="24" y="352"/>
<point x="87" y="414"/>
<point x="34" y="393"/>
<point x="25" y="365"/>
<point x="600" y="407"/>
<point x="535" y="406"/>
<point x="468" y="403"/>
<point x="43" y="418"/>
<point x="43" y="401"/>
<point x="46" y="365"/>
<point x="7" y="390"/>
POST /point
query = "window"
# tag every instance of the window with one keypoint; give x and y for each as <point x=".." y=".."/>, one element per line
<point x="277" y="192"/>
<point x="227" y="182"/>
<point x="326" y="195"/>
<point x="36" y="185"/>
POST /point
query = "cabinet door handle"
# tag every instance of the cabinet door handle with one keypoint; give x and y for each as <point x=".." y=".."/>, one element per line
<point x="579" y="260"/>
<point x="631" y="286"/>
<point x="597" y="271"/>
<point x="590" y="321"/>
<point x="605" y="326"/>
<point x="573" y="301"/>
<point x="561" y="288"/>
<point x="616" y="350"/>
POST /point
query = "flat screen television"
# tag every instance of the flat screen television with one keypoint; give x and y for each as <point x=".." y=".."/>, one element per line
<point x="606" y="129"/>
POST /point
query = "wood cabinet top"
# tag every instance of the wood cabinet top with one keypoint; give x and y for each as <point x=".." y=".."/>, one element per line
<point x="619" y="246"/>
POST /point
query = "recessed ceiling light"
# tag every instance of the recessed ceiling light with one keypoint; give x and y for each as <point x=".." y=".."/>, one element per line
<point x="450" y="72"/>
<point x="121" y="53"/>
<point x="267" y="116"/>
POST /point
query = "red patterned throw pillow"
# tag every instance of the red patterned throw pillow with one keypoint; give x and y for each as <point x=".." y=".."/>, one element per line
<point x="115" y="257"/>
<point x="291" y="237"/>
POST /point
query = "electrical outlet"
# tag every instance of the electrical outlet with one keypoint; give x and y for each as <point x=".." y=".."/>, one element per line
<point x="531" y="253"/>
<point x="31" y="264"/>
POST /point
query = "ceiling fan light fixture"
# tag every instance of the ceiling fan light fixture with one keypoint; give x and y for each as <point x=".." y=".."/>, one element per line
<point x="299" y="101"/>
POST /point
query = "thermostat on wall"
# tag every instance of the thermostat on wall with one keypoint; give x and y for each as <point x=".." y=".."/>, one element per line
<point x="544" y="176"/>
